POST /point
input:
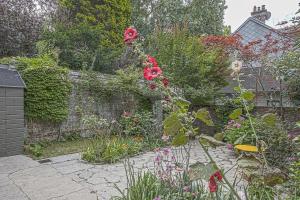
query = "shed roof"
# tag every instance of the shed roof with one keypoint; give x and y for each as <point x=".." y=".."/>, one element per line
<point x="9" y="77"/>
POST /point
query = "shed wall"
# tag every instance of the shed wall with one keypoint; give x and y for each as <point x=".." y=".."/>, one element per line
<point x="12" y="126"/>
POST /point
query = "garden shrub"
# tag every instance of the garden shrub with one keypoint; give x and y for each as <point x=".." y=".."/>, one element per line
<point x="111" y="150"/>
<point x="199" y="71"/>
<point x="139" y="123"/>
<point x="279" y="147"/>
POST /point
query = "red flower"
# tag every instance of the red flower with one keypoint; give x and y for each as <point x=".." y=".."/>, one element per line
<point x="212" y="184"/>
<point x="218" y="175"/>
<point x="212" y="181"/>
<point x="152" y="61"/>
<point x="130" y="35"/>
<point x="165" y="81"/>
<point x="151" y="73"/>
<point x="152" y="86"/>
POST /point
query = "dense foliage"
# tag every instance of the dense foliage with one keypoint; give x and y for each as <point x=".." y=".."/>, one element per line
<point x="21" y="24"/>
<point x="199" y="71"/>
<point x="163" y="15"/>
<point x="47" y="88"/>
<point x="89" y="33"/>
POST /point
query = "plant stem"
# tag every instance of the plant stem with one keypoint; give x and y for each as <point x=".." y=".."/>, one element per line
<point x="224" y="177"/>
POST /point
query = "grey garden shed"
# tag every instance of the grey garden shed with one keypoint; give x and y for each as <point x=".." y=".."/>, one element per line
<point x="12" y="123"/>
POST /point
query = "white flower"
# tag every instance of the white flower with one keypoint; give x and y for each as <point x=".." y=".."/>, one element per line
<point x="236" y="67"/>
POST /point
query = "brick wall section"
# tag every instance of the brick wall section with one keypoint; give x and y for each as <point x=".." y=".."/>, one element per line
<point x="12" y="127"/>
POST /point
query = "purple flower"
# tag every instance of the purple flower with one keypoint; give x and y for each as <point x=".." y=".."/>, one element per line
<point x="166" y="151"/>
<point x="173" y="158"/>
<point x="230" y="146"/>
<point x="237" y="125"/>
<point x="157" y="198"/>
<point x="157" y="159"/>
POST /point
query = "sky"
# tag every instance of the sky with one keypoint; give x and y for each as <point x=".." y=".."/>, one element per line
<point x="239" y="10"/>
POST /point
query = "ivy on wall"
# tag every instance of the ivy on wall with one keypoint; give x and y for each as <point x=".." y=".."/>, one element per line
<point x="125" y="82"/>
<point x="48" y="88"/>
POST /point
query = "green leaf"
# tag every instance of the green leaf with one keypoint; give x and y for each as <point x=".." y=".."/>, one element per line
<point x="204" y="116"/>
<point x="236" y="113"/>
<point x="172" y="124"/>
<point x="270" y="119"/>
<point x="298" y="124"/>
<point x="180" y="139"/>
<point x="210" y="141"/>
<point x="183" y="104"/>
<point x="248" y="95"/>
<point x="201" y="171"/>
<point x="237" y="89"/>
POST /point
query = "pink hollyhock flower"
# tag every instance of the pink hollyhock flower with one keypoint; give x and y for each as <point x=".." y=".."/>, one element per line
<point x="130" y="35"/>
<point x="157" y="198"/>
<point x="151" y="61"/>
<point x="151" y="73"/>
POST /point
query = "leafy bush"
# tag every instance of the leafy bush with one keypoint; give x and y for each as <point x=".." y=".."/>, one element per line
<point x="239" y="132"/>
<point x="47" y="88"/>
<point x="279" y="148"/>
<point x="34" y="149"/>
<point x="111" y="150"/>
<point x="189" y="65"/>
<point x="139" y="123"/>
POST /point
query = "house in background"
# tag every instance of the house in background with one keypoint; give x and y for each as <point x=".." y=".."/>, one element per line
<point x="266" y="87"/>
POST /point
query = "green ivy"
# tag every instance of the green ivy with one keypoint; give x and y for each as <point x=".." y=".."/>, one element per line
<point x="47" y="88"/>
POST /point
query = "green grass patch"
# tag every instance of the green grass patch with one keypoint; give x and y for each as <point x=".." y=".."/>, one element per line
<point x="51" y="149"/>
<point x="95" y="150"/>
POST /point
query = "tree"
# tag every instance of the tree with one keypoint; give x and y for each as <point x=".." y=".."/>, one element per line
<point x="200" y="16"/>
<point x="206" y="16"/>
<point x="89" y="33"/>
<point x="21" y="23"/>
<point x="199" y="71"/>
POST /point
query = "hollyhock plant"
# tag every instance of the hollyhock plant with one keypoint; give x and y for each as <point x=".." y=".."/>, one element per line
<point x="130" y="35"/>
<point x="151" y="61"/>
<point x="151" y="73"/>
<point x="213" y="186"/>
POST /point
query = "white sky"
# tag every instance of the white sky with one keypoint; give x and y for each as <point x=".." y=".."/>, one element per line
<point x="239" y="10"/>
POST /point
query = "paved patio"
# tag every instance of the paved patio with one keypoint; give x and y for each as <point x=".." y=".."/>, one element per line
<point x="69" y="178"/>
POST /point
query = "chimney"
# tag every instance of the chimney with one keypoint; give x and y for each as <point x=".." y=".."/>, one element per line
<point x="261" y="13"/>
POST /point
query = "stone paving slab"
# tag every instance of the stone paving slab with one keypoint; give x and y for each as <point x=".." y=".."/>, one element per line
<point x="69" y="178"/>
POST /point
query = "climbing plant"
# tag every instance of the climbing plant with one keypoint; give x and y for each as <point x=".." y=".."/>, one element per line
<point x="47" y="88"/>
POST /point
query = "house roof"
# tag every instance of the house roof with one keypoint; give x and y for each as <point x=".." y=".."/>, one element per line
<point x="253" y="29"/>
<point x="9" y="77"/>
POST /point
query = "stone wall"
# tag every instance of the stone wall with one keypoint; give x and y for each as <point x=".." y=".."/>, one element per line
<point x="80" y="101"/>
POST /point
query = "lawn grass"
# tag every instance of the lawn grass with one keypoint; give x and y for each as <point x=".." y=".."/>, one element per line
<point x="52" y="149"/>
<point x="44" y="150"/>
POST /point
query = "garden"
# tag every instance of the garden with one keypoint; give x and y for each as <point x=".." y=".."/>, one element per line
<point x="117" y="80"/>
